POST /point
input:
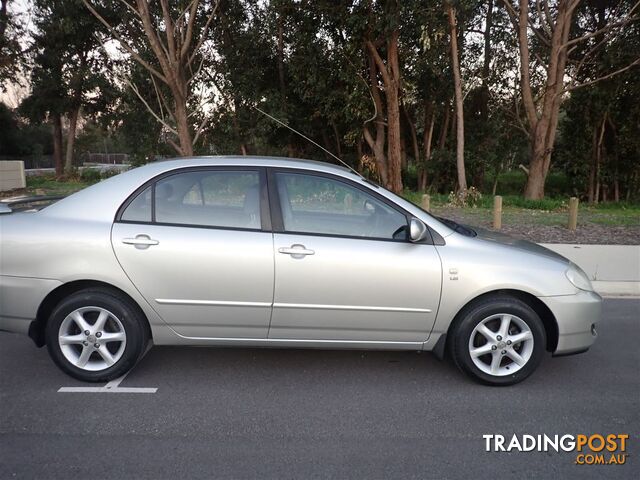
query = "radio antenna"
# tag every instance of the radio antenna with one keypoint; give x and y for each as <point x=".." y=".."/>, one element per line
<point x="308" y="139"/>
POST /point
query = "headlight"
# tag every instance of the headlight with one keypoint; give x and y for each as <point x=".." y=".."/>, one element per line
<point x="578" y="278"/>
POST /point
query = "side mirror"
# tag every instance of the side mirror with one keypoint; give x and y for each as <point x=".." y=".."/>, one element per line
<point x="417" y="230"/>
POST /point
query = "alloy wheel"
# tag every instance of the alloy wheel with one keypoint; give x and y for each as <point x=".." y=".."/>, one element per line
<point x="501" y="344"/>
<point x="92" y="338"/>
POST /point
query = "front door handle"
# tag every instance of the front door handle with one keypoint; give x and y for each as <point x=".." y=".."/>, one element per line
<point x="296" y="250"/>
<point x="141" y="241"/>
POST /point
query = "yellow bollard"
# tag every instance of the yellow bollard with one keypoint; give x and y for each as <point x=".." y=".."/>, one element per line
<point x="573" y="214"/>
<point x="497" y="212"/>
<point x="426" y="202"/>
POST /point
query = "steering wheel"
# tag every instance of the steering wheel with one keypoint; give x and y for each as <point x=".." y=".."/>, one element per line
<point x="401" y="229"/>
<point x="373" y="222"/>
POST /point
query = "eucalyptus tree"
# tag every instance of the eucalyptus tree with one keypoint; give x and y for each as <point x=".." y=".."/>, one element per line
<point x="553" y="31"/>
<point x="174" y="33"/>
<point x="69" y="73"/>
<point x="9" y="45"/>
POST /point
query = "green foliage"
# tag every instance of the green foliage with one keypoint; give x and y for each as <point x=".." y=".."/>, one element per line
<point x="512" y="183"/>
<point x="19" y="139"/>
<point x="306" y="64"/>
<point x="90" y="175"/>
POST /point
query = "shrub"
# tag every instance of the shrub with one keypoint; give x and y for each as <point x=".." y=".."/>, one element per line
<point x="90" y="175"/>
<point x="469" y="197"/>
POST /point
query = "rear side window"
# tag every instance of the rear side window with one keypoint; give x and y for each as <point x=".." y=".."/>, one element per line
<point x="139" y="210"/>
<point x="210" y="198"/>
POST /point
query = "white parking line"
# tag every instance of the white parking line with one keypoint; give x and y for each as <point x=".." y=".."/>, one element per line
<point x="113" y="386"/>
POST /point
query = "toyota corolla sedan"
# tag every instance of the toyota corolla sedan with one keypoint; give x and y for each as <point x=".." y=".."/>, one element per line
<point x="272" y="252"/>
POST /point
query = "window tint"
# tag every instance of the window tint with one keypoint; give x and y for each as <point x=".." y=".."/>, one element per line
<point x="209" y="198"/>
<point x="315" y="204"/>
<point x="139" y="210"/>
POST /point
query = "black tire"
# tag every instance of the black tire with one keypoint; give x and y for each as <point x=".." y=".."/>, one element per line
<point x="132" y="321"/>
<point x="473" y="316"/>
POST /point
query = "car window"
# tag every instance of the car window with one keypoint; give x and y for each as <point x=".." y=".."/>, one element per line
<point x="139" y="210"/>
<point x="209" y="198"/>
<point x="317" y="204"/>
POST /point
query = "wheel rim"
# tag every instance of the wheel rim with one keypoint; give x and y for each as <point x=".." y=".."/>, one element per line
<point x="501" y="344"/>
<point x="92" y="338"/>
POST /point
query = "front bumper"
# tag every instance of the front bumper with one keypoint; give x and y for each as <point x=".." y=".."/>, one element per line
<point x="576" y="316"/>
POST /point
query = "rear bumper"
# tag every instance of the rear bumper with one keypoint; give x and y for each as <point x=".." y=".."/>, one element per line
<point x="20" y="298"/>
<point x="577" y="317"/>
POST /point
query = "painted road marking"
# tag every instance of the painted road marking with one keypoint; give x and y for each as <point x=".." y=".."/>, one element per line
<point x="113" y="386"/>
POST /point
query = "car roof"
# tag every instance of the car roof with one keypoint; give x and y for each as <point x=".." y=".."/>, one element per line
<point x="100" y="202"/>
<point x="253" y="161"/>
<point x="103" y="199"/>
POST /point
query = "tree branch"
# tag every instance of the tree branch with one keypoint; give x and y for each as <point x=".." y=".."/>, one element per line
<point x="203" y="34"/>
<point x="382" y="68"/>
<point x="599" y="79"/>
<point x="124" y="44"/>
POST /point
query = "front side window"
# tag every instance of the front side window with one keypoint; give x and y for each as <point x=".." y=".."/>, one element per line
<point x="201" y="198"/>
<point x="317" y="204"/>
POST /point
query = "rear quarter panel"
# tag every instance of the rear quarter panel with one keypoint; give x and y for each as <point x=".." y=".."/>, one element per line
<point x="50" y="251"/>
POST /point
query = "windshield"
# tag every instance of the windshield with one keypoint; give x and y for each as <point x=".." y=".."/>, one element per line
<point x="462" y="229"/>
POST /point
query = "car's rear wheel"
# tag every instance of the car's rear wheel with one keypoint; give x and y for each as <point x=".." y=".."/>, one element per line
<point x="95" y="335"/>
<point x="499" y="341"/>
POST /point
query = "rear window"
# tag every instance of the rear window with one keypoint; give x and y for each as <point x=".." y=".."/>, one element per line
<point x="210" y="198"/>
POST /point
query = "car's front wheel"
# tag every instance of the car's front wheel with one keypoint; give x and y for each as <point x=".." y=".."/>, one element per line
<point x="499" y="341"/>
<point x="95" y="335"/>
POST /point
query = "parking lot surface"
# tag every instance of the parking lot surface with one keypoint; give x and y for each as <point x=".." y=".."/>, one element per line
<point x="251" y="413"/>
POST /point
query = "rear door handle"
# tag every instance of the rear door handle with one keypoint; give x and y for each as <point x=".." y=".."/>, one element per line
<point x="296" y="250"/>
<point x="141" y="241"/>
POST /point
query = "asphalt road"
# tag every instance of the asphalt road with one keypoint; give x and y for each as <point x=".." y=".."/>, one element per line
<point x="249" y="413"/>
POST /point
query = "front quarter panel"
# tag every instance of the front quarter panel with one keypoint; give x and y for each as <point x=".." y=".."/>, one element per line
<point x="472" y="267"/>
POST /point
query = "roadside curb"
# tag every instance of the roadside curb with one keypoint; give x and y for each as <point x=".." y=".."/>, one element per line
<point x="617" y="289"/>
<point x="614" y="270"/>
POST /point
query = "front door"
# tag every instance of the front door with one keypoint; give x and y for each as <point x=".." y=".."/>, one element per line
<point x="193" y="244"/>
<point x="345" y="269"/>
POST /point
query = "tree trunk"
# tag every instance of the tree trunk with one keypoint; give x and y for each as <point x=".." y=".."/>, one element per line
<point x="543" y="126"/>
<point x="56" y="121"/>
<point x="429" y="122"/>
<point x="592" y="169"/>
<point x="336" y="134"/>
<point x="599" y="148"/>
<point x="455" y="64"/>
<point x="414" y="137"/>
<point x="71" y="137"/>
<point x="377" y="144"/>
<point x="390" y="72"/>
<point x="393" y="140"/>
<point x="442" y="141"/>
<point x="185" y="148"/>
<point x="359" y="153"/>
<point x="281" y="80"/>
<point x="4" y="20"/>
<point x="486" y="63"/>
<point x="237" y="129"/>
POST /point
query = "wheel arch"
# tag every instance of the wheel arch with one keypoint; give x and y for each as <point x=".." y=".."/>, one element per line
<point x="546" y="315"/>
<point x="53" y="298"/>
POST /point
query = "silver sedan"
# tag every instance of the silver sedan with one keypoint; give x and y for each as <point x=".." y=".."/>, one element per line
<point x="271" y="252"/>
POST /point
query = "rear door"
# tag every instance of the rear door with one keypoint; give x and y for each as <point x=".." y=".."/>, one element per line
<point x="345" y="269"/>
<point x="197" y="245"/>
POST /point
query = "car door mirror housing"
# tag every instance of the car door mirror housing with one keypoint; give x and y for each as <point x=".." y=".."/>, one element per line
<point x="417" y="230"/>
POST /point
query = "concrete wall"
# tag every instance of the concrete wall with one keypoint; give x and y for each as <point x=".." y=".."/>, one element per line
<point x="613" y="269"/>
<point x="12" y="175"/>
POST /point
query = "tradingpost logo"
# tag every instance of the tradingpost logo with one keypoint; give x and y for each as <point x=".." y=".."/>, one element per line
<point x="594" y="449"/>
